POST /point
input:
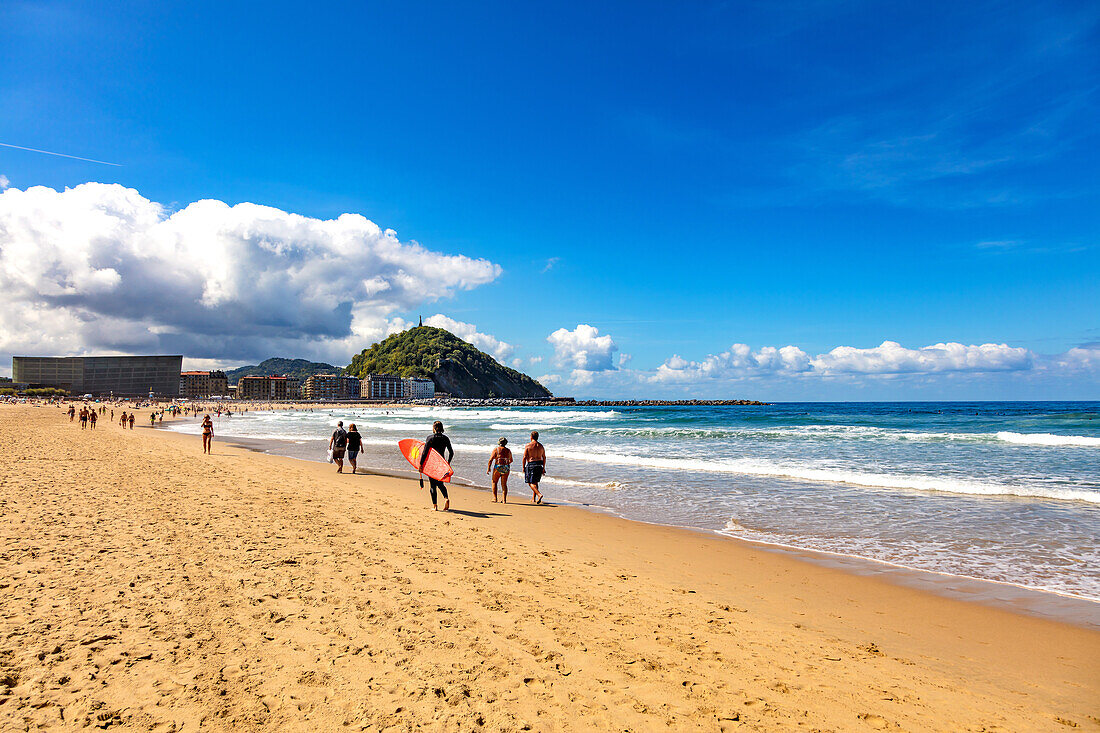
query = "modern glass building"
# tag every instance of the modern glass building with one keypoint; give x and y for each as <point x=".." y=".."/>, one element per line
<point x="127" y="376"/>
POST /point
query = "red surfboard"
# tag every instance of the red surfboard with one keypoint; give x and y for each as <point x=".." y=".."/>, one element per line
<point x="435" y="467"/>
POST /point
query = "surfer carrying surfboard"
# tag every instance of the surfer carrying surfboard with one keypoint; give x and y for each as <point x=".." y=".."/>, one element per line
<point x="440" y="443"/>
<point x="534" y="466"/>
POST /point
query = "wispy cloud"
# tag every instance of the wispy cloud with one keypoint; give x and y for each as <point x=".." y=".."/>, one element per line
<point x="60" y="155"/>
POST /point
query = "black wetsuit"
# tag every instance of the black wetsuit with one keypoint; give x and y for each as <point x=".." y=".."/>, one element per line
<point x="439" y="443"/>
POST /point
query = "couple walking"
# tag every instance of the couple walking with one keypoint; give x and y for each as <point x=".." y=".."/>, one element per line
<point x="349" y="441"/>
<point x="534" y="466"/>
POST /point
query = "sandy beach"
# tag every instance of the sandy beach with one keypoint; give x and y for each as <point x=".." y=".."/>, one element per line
<point x="146" y="586"/>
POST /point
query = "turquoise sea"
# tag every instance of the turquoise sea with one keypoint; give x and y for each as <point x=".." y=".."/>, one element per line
<point x="1000" y="491"/>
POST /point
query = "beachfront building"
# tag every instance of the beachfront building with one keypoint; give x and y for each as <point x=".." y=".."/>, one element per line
<point x="331" y="387"/>
<point x="418" y="388"/>
<point x="254" y="387"/>
<point x="382" y="387"/>
<point x="200" y="385"/>
<point x="293" y="388"/>
<point x="267" y="388"/>
<point x="123" y="376"/>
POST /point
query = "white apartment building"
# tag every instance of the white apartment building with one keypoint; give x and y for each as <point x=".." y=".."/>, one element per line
<point x="419" y="388"/>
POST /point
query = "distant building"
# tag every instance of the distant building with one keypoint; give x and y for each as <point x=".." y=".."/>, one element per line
<point x="254" y="387"/>
<point x="293" y="388"/>
<point x="382" y="387"/>
<point x="419" y="388"/>
<point x="198" y="385"/>
<point x="267" y="388"/>
<point x="331" y="387"/>
<point x="124" y="376"/>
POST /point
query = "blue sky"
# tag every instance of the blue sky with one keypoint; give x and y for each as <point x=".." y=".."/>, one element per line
<point x="681" y="179"/>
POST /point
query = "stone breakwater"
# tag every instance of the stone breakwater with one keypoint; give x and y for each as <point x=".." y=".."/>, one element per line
<point x="570" y="402"/>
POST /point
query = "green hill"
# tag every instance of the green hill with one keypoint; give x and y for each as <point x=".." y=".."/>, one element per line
<point x="300" y="368"/>
<point x="455" y="366"/>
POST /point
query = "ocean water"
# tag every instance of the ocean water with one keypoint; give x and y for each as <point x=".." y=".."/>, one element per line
<point x="1007" y="492"/>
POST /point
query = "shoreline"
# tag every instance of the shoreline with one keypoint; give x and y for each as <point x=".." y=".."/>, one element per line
<point x="1015" y="597"/>
<point x="152" y="585"/>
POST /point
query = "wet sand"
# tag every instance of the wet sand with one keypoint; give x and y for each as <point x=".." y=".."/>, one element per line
<point x="148" y="586"/>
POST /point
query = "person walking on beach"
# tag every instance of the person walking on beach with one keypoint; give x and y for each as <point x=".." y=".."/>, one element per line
<point x="83" y="418"/>
<point x="338" y="443"/>
<point x="500" y="463"/>
<point x="441" y="444"/>
<point x="131" y="421"/>
<point x="534" y="466"/>
<point x="72" y="412"/>
<point x="91" y="420"/>
<point x="207" y="433"/>
<point x="355" y="444"/>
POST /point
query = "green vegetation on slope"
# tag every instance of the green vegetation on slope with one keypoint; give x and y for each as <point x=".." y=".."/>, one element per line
<point x="455" y="366"/>
<point x="300" y="368"/>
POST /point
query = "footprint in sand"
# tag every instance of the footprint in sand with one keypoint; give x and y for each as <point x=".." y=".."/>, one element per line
<point x="875" y="721"/>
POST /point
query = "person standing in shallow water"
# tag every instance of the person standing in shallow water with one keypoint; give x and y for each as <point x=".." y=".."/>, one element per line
<point x="438" y="442"/>
<point x="534" y="466"/>
<point x="500" y="463"/>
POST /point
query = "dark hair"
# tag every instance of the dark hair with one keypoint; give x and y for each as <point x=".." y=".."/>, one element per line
<point x="437" y="426"/>
<point x="352" y="428"/>
<point x="502" y="441"/>
<point x="534" y="435"/>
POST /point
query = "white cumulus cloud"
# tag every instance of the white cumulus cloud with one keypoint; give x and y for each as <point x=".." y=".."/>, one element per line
<point x="889" y="358"/>
<point x="583" y="348"/>
<point x="893" y="358"/>
<point x="468" y="332"/>
<point x="100" y="268"/>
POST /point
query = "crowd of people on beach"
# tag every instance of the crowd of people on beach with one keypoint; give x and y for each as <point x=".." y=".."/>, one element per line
<point x="348" y="444"/>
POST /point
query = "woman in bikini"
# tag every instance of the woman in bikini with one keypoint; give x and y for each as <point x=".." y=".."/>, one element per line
<point x="207" y="433"/>
<point x="500" y="463"/>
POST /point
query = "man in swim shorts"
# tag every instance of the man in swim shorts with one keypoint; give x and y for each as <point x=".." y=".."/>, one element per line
<point x="438" y="442"/>
<point x="534" y="466"/>
<point x="337" y="444"/>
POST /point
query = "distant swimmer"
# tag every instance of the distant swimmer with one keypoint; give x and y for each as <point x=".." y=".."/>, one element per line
<point x="207" y="433"/>
<point x="338" y="443"/>
<point x="534" y="466"/>
<point x="355" y="444"/>
<point x="500" y="463"/>
<point x="442" y="445"/>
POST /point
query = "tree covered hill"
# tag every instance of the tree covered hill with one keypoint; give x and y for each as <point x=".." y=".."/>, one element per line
<point x="456" y="367"/>
<point x="300" y="368"/>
